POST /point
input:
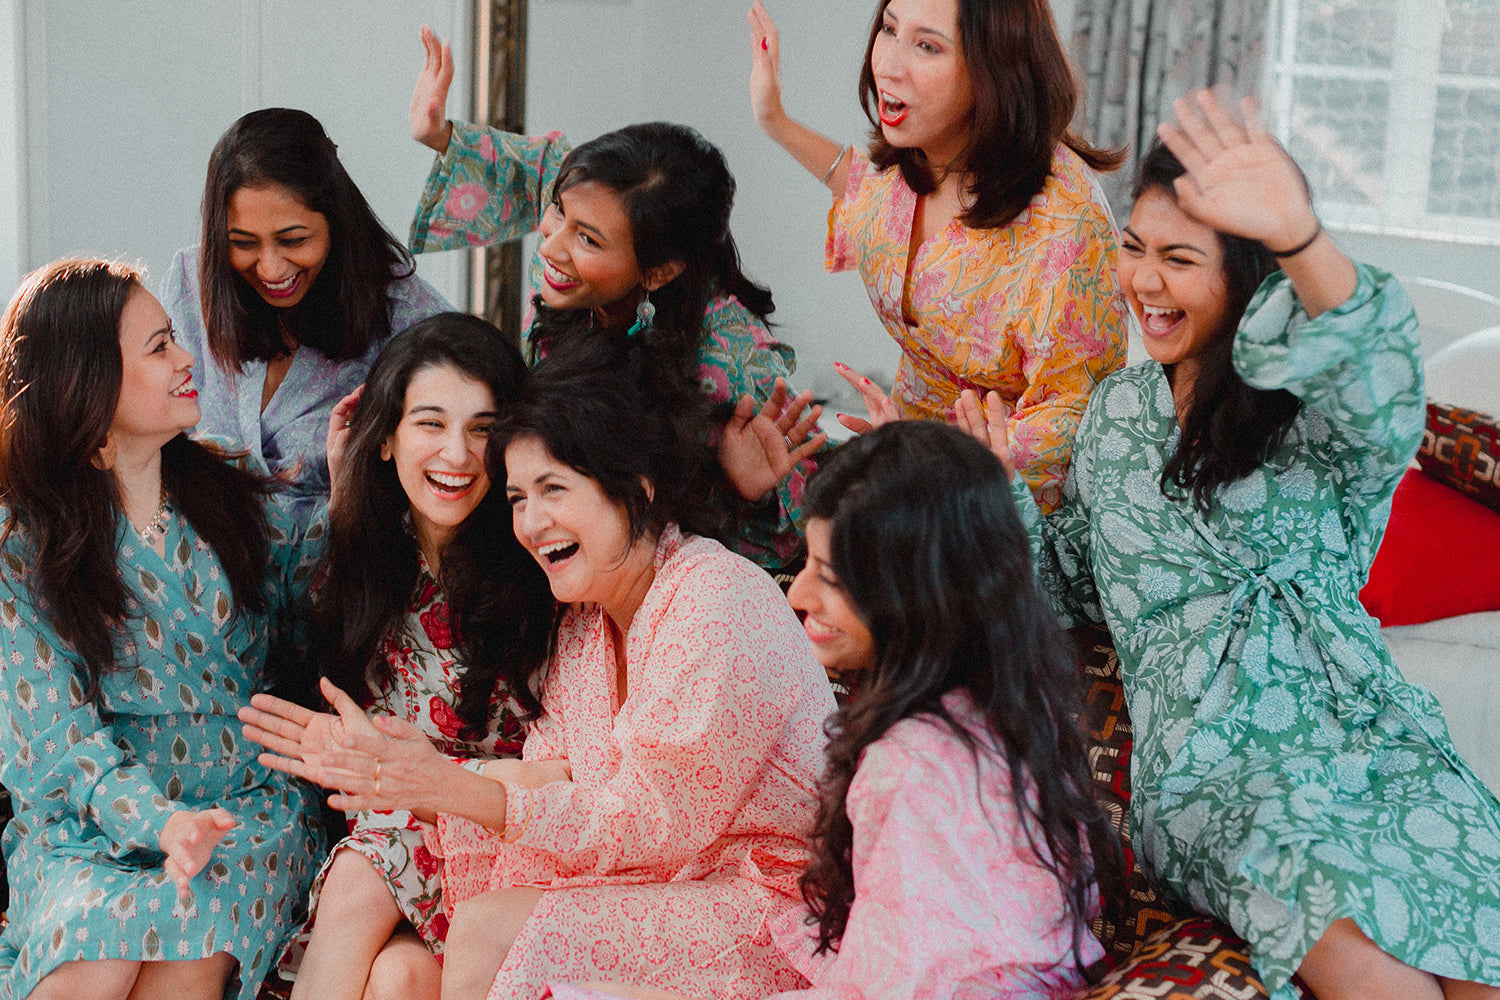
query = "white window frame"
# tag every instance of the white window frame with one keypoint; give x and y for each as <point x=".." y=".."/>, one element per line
<point x="1413" y="80"/>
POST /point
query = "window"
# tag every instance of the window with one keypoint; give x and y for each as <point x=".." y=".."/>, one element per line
<point x="1392" y="107"/>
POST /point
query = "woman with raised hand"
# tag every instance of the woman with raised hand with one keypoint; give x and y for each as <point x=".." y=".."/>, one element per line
<point x="635" y="242"/>
<point x="974" y="217"/>
<point x="141" y="572"/>
<point x="1226" y="501"/>
<point x="293" y="291"/>
<point x="430" y="612"/>
<point x="682" y="726"/>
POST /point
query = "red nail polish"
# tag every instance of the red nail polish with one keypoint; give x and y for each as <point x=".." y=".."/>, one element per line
<point x="765" y="45"/>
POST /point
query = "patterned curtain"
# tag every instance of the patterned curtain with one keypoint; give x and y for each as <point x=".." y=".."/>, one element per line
<point x="1135" y="57"/>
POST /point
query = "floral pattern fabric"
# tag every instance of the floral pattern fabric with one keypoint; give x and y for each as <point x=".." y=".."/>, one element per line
<point x="951" y="902"/>
<point x="1031" y="310"/>
<point x="1285" y="774"/>
<point x="288" y="437"/>
<point x="492" y="186"/>
<point x="423" y="658"/>
<point x="684" y="829"/>
<point x="93" y="783"/>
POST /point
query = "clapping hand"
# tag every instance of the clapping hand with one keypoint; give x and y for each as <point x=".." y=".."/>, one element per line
<point x="761" y="448"/>
<point x="428" y="115"/>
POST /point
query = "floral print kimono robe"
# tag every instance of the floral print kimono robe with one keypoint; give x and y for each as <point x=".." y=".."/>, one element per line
<point x="1285" y="774"/>
<point x="1031" y="309"/>
<point x="94" y="784"/>
<point x="684" y="829"/>
<point x="493" y="186"/>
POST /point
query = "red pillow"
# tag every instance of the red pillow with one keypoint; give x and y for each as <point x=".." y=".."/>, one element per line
<point x="1461" y="449"/>
<point x="1438" y="557"/>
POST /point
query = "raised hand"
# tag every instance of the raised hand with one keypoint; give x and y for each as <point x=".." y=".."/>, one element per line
<point x="765" y="68"/>
<point x="188" y="840"/>
<point x="878" y="406"/>
<point x="294" y="735"/>
<point x="761" y="448"/>
<point x="428" y="115"/>
<point x="339" y="419"/>
<point x="987" y="423"/>
<point x="1239" y="180"/>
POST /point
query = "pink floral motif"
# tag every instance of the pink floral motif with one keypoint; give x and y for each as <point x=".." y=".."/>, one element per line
<point x="444" y="717"/>
<point x="487" y="148"/>
<point x="467" y="201"/>
<point x="1060" y="255"/>
<point x="440" y="627"/>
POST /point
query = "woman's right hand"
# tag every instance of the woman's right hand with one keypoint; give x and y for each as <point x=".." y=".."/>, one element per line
<point x="765" y="68"/>
<point x="429" y="99"/>
<point x="339" y="420"/>
<point x="188" y="840"/>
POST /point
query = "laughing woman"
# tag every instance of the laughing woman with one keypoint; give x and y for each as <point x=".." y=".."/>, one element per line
<point x="150" y="855"/>
<point x="1226" y="502"/>
<point x="974" y="218"/>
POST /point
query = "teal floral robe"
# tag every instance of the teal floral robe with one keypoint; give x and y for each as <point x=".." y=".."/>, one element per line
<point x="93" y="784"/>
<point x="1285" y="775"/>
<point x="493" y="186"/>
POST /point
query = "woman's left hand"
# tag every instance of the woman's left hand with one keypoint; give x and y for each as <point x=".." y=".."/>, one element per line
<point x="340" y="419"/>
<point x="988" y="423"/>
<point x="878" y="405"/>
<point x="188" y="840"/>
<point x="760" y="449"/>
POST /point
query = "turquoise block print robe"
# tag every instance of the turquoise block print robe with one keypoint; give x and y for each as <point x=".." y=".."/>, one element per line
<point x="93" y="784"/>
<point x="1285" y="774"/>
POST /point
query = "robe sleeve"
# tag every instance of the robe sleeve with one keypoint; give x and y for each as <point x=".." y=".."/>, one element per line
<point x="488" y="187"/>
<point x="55" y="742"/>
<point x="1060" y="540"/>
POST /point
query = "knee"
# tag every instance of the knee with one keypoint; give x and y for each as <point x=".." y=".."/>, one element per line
<point x="403" y="974"/>
<point x="353" y="886"/>
<point x="108" y="978"/>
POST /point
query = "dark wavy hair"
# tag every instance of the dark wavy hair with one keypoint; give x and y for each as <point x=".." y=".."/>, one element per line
<point x="60" y="375"/>
<point x="925" y="541"/>
<point x="1229" y="427"/>
<point x="345" y="310"/>
<point x="595" y="410"/>
<point x="498" y="598"/>
<point x="677" y="192"/>
<point x="1024" y="98"/>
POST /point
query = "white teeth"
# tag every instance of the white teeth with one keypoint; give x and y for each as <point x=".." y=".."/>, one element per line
<point x="557" y="276"/>
<point x="184" y="388"/>
<point x="1159" y="310"/>
<point x="552" y="547"/>
<point x="450" y="479"/>
<point x="281" y="286"/>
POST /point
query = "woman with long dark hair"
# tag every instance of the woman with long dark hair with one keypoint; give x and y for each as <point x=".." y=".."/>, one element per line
<point x="291" y="294"/>
<point x="142" y="574"/>
<point x="973" y="217"/>
<point x="1226" y="501"/>
<point x="635" y="243"/>
<point x="431" y="612"/>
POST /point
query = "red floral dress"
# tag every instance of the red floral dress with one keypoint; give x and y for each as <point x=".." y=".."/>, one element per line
<point x="424" y="692"/>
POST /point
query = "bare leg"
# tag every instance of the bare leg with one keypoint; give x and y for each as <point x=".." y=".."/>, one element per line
<point x="1346" y="965"/>
<point x="1458" y="989"/>
<point x="356" y="917"/>
<point x="109" y="979"/>
<point x="198" y="979"/>
<point x="404" y="970"/>
<point x="479" y="938"/>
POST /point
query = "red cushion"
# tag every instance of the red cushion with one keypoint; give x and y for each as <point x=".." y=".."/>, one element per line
<point x="1461" y="449"/>
<point x="1438" y="558"/>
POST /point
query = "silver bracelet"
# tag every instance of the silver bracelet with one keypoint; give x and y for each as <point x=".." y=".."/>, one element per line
<point x="835" y="165"/>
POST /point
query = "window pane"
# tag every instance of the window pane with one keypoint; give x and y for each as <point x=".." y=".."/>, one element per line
<point x="1338" y="137"/>
<point x="1346" y="32"/>
<point x="1466" y="154"/>
<point x="1471" y="38"/>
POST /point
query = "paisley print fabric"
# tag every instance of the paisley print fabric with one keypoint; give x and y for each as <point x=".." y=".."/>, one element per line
<point x="1285" y="774"/>
<point x="1031" y="310"/>
<point x="684" y="829"/>
<point x="94" y="783"/>
<point x="492" y="186"/>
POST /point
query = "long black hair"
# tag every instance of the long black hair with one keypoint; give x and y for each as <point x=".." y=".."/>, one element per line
<point x="1024" y="98"/>
<point x="1228" y="427"/>
<point x="345" y="310"/>
<point x="60" y="376"/>
<point x="676" y="192"/>
<point x="927" y="544"/>
<point x="498" y="597"/>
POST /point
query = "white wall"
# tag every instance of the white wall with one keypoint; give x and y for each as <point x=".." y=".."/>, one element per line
<point x="595" y="65"/>
<point x="121" y="104"/>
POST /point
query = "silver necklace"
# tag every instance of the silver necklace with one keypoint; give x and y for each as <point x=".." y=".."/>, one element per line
<point x="158" y="520"/>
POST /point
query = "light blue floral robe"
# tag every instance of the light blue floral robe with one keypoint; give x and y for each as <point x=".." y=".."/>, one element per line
<point x="1285" y="775"/>
<point x="93" y="785"/>
<point x="493" y="186"/>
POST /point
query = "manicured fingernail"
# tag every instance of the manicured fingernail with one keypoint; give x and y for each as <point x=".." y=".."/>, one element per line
<point x="764" y="45"/>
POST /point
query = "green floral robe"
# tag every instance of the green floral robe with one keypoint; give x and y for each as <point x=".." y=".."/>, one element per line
<point x="1285" y="774"/>
<point x="94" y="783"/>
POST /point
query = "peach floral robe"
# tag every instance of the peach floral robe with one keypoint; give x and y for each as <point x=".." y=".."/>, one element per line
<point x="1031" y="309"/>
<point x="684" y="829"/>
